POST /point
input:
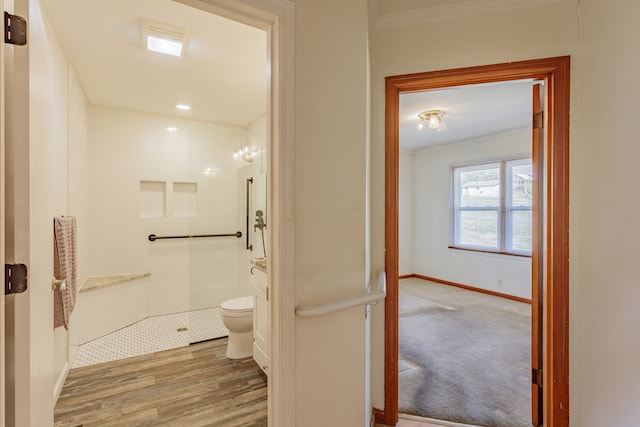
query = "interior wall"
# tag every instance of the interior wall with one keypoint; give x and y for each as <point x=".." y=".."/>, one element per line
<point x="478" y="39"/>
<point x="77" y="181"/>
<point x="330" y="202"/>
<point x="40" y="184"/>
<point x="603" y="224"/>
<point x="432" y="217"/>
<point x="145" y="179"/>
<point x="406" y="212"/>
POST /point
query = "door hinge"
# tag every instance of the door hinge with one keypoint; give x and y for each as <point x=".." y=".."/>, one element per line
<point x="15" y="29"/>
<point x="15" y="278"/>
<point x="538" y="120"/>
<point x="267" y="293"/>
<point x="536" y="377"/>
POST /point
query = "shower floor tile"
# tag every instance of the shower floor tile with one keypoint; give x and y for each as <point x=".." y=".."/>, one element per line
<point x="151" y="335"/>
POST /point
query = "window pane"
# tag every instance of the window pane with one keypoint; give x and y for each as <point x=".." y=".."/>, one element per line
<point x="521" y="222"/>
<point x="521" y="185"/>
<point x="479" y="228"/>
<point x="480" y="187"/>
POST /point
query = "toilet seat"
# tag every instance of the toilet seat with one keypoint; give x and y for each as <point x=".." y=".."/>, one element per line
<point x="238" y="305"/>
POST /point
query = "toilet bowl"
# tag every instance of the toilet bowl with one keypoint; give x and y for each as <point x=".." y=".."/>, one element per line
<point x="237" y="317"/>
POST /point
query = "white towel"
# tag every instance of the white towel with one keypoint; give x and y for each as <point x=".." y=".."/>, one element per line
<point x="64" y="268"/>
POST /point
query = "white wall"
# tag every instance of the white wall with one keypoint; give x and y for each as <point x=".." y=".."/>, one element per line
<point x="41" y="187"/>
<point x="406" y="213"/>
<point x="77" y="176"/>
<point x="257" y="137"/>
<point x="199" y="194"/>
<point x="431" y="221"/>
<point x="330" y="200"/>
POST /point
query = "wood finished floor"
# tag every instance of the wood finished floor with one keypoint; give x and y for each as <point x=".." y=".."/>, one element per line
<point x="407" y="422"/>
<point x="189" y="386"/>
<point x="403" y="422"/>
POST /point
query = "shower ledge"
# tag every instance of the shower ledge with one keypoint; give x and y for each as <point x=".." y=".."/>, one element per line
<point x="259" y="263"/>
<point x="97" y="282"/>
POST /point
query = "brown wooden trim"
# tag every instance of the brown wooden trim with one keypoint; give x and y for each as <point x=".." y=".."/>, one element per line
<point x="406" y="276"/>
<point x="555" y="73"/>
<point x="537" y="335"/>
<point x="389" y="415"/>
<point x="487" y="251"/>
<point x="473" y="288"/>
<point x="556" y="374"/>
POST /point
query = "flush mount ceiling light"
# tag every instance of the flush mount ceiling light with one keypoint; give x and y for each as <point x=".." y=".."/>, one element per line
<point x="164" y="38"/>
<point x="433" y="118"/>
<point x="183" y="107"/>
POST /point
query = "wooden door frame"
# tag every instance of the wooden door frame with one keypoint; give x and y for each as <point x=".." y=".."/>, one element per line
<point x="555" y="72"/>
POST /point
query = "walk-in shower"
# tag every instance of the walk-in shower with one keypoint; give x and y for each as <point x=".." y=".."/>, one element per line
<point x="167" y="226"/>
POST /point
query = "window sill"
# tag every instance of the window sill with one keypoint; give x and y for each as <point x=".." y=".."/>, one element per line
<point x="488" y="251"/>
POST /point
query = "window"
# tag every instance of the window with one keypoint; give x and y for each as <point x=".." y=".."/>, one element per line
<point x="492" y="206"/>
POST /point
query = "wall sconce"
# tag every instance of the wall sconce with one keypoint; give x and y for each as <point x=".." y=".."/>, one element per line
<point x="248" y="154"/>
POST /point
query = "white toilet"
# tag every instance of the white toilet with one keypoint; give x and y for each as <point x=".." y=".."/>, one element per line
<point x="237" y="316"/>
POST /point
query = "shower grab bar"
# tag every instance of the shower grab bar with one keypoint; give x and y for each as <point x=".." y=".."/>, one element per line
<point x="249" y="186"/>
<point x="369" y="297"/>
<point x="153" y="237"/>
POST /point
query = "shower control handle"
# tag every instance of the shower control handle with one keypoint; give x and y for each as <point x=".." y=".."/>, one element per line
<point x="260" y="224"/>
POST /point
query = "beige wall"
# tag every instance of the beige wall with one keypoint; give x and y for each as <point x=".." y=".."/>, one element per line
<point x="40" y="183"/>
<point x="330" y="171"/>
<point x="604" y="295"/>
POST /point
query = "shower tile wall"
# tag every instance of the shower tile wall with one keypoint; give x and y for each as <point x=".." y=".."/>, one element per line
<point x="258" y="171"/>
<point x="195" y="167"/>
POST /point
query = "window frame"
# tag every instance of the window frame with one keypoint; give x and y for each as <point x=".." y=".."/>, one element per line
<point x="505" y="208"/>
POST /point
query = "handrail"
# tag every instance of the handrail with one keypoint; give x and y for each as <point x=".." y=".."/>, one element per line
<point x="153" y="237"/>
<point x="369" y="297"/>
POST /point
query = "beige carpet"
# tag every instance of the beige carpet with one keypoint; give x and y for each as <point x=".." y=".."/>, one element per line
<point x="464" y="356"/>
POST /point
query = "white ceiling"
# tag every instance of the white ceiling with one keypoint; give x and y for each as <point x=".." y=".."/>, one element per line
<point x="222" y="74"/>
<point x="470" y="112"/>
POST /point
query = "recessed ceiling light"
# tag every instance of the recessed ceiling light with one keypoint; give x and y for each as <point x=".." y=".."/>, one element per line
<point x="172" y="129"/>
<point x="163" y="38"/>
<point x="183" y="107"/>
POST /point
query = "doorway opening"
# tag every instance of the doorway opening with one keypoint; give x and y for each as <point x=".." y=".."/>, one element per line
<point x="465" y="241"/>
<point x="276" y="20"/>
<point x="550" y="218"/>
